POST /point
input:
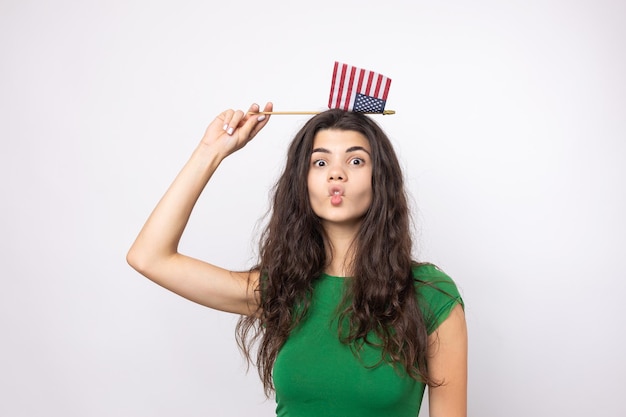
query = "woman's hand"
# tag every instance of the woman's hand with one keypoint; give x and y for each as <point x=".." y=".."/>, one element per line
<point x="233" y="129"/>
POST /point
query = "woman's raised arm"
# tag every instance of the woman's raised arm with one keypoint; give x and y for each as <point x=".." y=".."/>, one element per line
<point x="155" y="254"/>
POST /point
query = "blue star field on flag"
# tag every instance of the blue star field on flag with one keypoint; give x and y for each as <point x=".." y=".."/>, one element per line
<point x="367" y="104"/>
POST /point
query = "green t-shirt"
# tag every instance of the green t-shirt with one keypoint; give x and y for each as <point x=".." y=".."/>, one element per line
<point x="317" y="375"/>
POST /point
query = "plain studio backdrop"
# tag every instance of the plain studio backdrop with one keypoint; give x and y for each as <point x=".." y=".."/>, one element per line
<point x="510" y="123"/>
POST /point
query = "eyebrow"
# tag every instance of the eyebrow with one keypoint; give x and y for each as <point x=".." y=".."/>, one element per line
<point x="350" y="149"/>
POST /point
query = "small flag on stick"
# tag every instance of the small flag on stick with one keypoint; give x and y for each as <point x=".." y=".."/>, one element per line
<point x="353" y="89"/>
<point x="358" y="90"/>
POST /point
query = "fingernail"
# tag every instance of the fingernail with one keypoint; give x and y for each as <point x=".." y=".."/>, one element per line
<point x="261" y="118"/>
<point x="225" y="126"/>
<point x="230" y="130"/>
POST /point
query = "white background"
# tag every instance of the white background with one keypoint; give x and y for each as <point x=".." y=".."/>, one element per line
<point x="511" y="121"/>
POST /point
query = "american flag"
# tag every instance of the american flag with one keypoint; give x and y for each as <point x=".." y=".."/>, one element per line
<point x="358" y="90"/>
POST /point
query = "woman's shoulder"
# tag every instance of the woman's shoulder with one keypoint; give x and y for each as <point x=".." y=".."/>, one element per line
<point x="437" y="293"/>
<point x="425" y="272"/>
<point x="427" y="269"/>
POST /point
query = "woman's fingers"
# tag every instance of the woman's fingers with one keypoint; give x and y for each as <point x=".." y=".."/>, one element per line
<point x="232" y="121"/>
<point x="250" y="123"/>
<point x="261" y="119"/>
<point x="233" y="129"/>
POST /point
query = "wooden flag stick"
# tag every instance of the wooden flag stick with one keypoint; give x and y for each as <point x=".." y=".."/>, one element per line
<point x="313" y="112"/>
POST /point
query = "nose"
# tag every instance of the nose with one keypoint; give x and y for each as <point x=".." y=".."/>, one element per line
<point x="336" y="173"/>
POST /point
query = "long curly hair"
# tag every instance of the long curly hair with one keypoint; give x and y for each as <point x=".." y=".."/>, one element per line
<point x="380" y="300"/>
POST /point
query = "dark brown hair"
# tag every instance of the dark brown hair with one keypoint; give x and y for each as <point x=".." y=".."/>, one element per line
<point x="381" y="300"/>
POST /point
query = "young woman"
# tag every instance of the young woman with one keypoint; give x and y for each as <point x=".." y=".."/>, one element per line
<point x="347" y="324"/>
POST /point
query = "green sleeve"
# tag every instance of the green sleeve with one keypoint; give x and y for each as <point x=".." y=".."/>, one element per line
<point x="437" y="294"/>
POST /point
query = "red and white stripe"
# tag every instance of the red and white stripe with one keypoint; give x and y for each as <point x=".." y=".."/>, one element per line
<point x="347" y="81"/>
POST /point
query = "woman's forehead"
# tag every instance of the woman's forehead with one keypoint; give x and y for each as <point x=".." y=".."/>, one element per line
<point x="337" y="140"/>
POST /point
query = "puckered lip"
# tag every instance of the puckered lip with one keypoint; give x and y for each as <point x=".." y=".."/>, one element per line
<point x="335" y="190"/>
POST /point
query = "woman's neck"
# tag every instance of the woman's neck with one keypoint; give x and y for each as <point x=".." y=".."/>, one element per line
<point x="339" y="251"/>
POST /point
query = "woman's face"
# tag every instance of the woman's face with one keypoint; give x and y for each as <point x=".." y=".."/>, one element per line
<point x="340" y="177"/>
